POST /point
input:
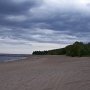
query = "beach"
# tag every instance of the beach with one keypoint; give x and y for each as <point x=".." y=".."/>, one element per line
<point x="50" y="72"/>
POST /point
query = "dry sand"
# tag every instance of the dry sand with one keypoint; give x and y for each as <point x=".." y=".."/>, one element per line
<point x="46" y="73"/>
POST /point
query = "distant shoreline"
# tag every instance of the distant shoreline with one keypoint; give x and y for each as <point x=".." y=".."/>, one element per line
<point x="12" y="57"/>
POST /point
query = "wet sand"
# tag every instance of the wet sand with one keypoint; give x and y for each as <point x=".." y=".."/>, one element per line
<point x="46" y="73"/>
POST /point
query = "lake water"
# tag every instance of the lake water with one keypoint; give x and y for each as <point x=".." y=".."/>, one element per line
<point x="12" y="57"/>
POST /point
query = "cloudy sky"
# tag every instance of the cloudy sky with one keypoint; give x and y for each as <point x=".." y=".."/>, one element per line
<point x="29" y="25"/>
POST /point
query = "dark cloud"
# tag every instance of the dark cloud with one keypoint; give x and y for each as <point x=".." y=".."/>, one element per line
<point x="10" y="7"/>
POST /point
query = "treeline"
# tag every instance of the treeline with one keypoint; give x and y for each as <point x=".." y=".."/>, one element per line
<point x="76" y="49"/>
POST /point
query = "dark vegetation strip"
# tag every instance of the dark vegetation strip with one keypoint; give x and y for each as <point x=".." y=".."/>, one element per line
<point x="77" y="49"/>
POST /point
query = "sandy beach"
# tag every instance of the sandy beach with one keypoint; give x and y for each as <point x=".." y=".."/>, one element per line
<point x="46" y="73"/>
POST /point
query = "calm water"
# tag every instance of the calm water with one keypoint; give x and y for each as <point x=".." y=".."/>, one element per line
<point x="12" y="57"/>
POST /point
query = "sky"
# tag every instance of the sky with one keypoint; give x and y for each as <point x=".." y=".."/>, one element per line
<point x="29" y="25"/>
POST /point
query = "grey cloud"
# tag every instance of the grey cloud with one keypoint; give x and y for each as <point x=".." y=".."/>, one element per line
<point x="65" y="27"/>
<point x="42" y="35"/>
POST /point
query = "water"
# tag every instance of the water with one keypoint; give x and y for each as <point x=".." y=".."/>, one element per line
<point x="12" y="57"/>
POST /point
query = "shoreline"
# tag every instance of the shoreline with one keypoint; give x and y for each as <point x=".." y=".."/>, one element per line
<point x="11" y="58"/>
<point x="36" y="56"/>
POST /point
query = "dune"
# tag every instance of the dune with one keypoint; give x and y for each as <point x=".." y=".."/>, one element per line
<point x="46" y="73"/>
